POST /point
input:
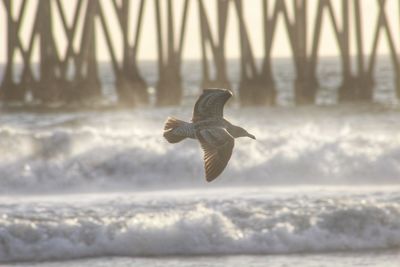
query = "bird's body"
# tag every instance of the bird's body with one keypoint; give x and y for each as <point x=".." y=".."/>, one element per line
<point x="215" y="134"/>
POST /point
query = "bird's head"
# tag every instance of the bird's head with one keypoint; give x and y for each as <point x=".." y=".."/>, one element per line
<point x="237" y="131"/>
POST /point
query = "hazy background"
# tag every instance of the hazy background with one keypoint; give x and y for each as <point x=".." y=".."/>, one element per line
<point x="253" y="16"/>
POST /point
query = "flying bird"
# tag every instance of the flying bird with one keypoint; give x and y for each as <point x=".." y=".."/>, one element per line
<point x="215" y="134"/>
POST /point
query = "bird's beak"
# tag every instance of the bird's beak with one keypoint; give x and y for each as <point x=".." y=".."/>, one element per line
<point x="251" y="136"/>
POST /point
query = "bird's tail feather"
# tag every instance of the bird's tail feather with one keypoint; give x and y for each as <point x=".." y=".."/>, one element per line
<point x="170" y="125"/>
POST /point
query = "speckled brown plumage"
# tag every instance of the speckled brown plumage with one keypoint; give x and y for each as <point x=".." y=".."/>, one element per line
<point x="215" y="134"/>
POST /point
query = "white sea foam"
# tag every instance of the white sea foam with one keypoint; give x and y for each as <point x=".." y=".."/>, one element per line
<point x="117" y="150"/>
<point x="252" y="222"/>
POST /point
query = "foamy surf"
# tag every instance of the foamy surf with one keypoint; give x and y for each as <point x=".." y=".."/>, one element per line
<point x="181" y="223"/>
<point x="126" y="150"/>
<point x="58" y="157"/>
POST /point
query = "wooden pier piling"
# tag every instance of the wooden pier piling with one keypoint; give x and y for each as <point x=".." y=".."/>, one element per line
<point x="169" y="87"/>
<point x="215" y="45"/>
<point x="131" y="87"/>
<point x="11" y="90"/>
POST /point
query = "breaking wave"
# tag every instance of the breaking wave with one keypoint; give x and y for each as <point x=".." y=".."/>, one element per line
<point x="123" y="150"/>
<point x="175" y="224"/>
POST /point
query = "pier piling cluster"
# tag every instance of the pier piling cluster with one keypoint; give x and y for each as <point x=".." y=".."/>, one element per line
<point x="71" y="73"/>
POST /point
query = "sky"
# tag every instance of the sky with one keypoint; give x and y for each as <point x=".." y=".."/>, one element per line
<point x="192" y="49"/>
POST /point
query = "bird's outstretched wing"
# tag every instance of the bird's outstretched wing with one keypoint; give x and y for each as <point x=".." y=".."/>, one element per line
<point x="217" y="145"/>
<point x="210" y="104"/>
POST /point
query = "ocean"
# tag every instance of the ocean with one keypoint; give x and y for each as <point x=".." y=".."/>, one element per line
<point x="319" y="187"/>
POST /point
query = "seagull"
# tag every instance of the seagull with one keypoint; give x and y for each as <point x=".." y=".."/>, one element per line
<point x="215" y="134"/>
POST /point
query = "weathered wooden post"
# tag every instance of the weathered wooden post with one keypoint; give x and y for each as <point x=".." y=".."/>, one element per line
<point x="348" y="89"/>
<point x="48" y="88"/>
<point x="305" y="85"/>
<point x="89" y="86"/>
<point x="383" y="25"/>
<point x="363" y="82"/>
<point x="169" y="89"/>
<point x="266" y="72"/>
<point x="131" y="87"/>
<point x="249" y="77"/>
<point x="217" y="46"/>
<point x="9" y="89"/>
<point x="70" y="87"/>
<point x="309" y="92"/>
<point x="398" y="71"/>
<point x="255" y="88"/>
<point x="270" y="24"/>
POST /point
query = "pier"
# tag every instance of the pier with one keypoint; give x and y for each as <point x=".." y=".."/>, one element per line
<point x="68" y="70"/>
